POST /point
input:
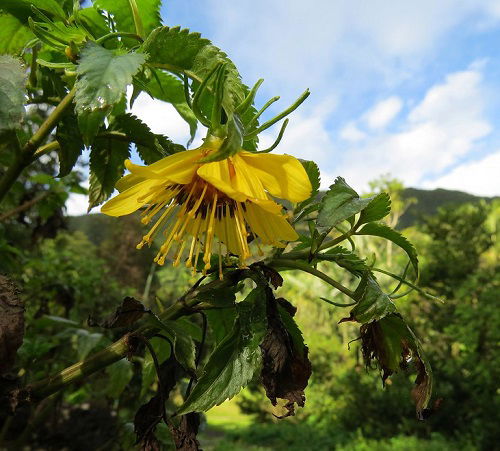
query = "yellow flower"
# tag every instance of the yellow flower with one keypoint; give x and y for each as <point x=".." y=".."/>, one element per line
<point x="194" y="202"/>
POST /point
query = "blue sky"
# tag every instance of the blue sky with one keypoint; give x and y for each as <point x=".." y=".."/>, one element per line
<point x="407" y="88"/>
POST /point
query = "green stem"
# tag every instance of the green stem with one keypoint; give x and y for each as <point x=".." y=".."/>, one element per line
<point x="137" y="18"/>
<point x="119" y="349"/>
<point x="294" y="264"/>
<point x="25" y="155"/>
<point x="119" y="34"/>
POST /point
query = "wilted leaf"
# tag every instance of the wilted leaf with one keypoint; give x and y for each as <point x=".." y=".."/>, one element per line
<point x="12" y="95"/>
<point x="235" y="359"/>
<point x="273" y="277"/>
<point x="130" y="311"/>
<point x="286" y="367"/>
<point x="11" y="323"/>
<point x="393" y="345"/>
<point x="184" y="434"/>
<point x="150" y="414"/>
<point x="162" y="350"/>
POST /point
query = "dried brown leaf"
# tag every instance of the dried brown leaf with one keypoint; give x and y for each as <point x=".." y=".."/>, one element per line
<point x="286" y="367"/>
<point x="11" y="323"/>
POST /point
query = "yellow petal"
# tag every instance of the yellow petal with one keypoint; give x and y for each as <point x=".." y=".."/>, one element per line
<point x="282" y="175"/>
<point x="131" y="199"/>
<point x="233" y="177"/>
<point x="177" y="168"/>
<point x="270" y="227"/>
<point x="127" y="181"/>
<point x="218" y="174"/>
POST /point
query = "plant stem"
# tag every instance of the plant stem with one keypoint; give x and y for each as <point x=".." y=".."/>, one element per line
<point x="24" y="206"/>
<point x="25" y="154"/>
<point x="294" y="264"/>
<point x="118" y="34"/>
<point x="119" y="349"/>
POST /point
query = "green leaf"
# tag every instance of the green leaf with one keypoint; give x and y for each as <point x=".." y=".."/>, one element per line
<point x="149" y="12"/>
<point x="180" y="51"/>
<point x="12" y="96"/>
<point x="314" y="175"/>
<point x="22" y="8"/>
<point x="120" y="373"/>
<point x="170" y="89"/>
<point x="93" y="21"/>
<point x="339" y="203"/>
<point x="103" y="77"/>
<point x="13" y="35"/>
<point x="84" y="341"/>
<point x="381" y="230"/>
<point x="106" y="167"/>
<point x="89" y="123"/>
<point x="150" y="146"/>
<point x="346" y="259"/>
<point x="184" y="349"/>
<point x="378" y="208"/>
<point x="162" y="351"/>
<point x="373" y="304"/>
<point x="394" y="345"/>
<point x="235" y="360"/>
<point x="70" y="143"/>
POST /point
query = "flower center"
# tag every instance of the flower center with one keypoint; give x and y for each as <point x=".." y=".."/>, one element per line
<point x="194" y="215"/>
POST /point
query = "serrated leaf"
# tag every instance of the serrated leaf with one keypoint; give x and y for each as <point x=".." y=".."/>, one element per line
<point x="13" y="35"/>
<point x="394" y="345"/>
<point x="106" y="167"/>
<point x="12" y="96"/>
<point x="89" y="123"/>
<point x="70" y="143"/>
<point x="314" y="175"/>
<point x="149" y="13"/>
<point x="346" y="259"/>
<point x="384" y="231"/>
<point x="150" y="146"/>
<point x="378" y="208"/>
<point x="186" y="52"/>
<point x="339" y="203"/>
<point x="103" y="77"/>
<point x="373" y="304"/>
<point x="235" y="360"/>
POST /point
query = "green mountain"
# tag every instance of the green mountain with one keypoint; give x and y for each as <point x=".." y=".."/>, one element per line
<point x="428" y="202"/>
<point x="97" y="226"/>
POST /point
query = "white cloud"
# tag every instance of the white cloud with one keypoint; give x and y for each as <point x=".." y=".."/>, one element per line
<point x="161" y="117"/>
<point x="306" y="136"/>
<point x="476" y="177"/>
<point x="443" y="128"/>
<point x="295" y="43"/>
<point x="383" y="112"/>
<point x="351" y="133"/>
